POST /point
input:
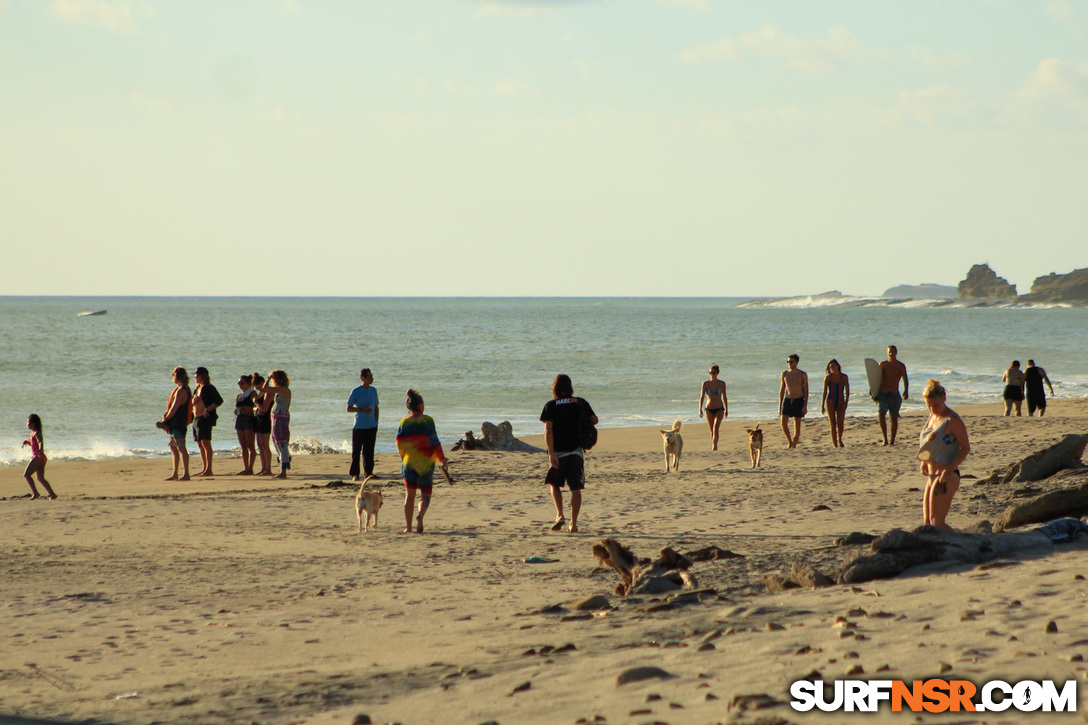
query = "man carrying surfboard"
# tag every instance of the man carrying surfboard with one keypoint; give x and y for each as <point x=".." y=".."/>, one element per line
<point x="887" y="398"/>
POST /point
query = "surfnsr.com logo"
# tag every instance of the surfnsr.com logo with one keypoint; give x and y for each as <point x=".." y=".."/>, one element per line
<point x="934" y="695"/>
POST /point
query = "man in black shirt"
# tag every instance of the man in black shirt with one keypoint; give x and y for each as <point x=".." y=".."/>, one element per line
<point x="1033" y="382"/>
<point x="562" y="419"/>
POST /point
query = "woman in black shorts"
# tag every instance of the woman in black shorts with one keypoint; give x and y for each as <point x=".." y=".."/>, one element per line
<point x="245" y="423"/>
<point x="262" y="423"/>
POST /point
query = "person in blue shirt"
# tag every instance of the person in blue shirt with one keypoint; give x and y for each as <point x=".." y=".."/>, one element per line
<point x="364" y="403"/>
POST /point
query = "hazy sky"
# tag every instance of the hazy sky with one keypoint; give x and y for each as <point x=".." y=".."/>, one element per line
<point x="597" y="147"/>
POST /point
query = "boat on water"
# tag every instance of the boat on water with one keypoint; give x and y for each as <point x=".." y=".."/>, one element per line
<point x="91" y="314"/>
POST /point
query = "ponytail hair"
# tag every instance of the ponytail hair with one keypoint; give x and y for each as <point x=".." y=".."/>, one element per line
<point x="413" y="401"/>
<point x="257" y="379"/>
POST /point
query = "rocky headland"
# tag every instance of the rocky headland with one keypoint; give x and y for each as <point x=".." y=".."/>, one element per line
<point x="983" y="283"/>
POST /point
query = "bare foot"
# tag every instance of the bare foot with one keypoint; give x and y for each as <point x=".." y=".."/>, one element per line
<point x="355" y="479"/>
<point x="573" y="529"/>
<point x="283" y="474"/>
<point x="558" y="525"/>
<point x="36" y="495"/>
<point x="172" y="478"/>
<point x="419" y="524"/>
<point x="244" y="473"/>
<point x="264" y="473"/>
<point x="52" y="497"/>
<point x="184" y="478"/>
<point x="202" y="474"/>
<point x="406" y="530"/>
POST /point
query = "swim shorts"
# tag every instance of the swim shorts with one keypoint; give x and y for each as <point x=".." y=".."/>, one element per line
<point x="571" y="471"/>
<point x="424" y="482"/>
<point x="1036" y="403"/>
<point x="177" y="438"/>
<point x="793" y="407"/>
<point x="202" y="429"/>
<point x="245" y="422"/>
<point x="1013" y="392"/>
<point x="263" y="424"/>
<point x="889" y="401"/>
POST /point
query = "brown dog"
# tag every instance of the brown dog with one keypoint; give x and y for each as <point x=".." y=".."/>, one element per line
<point x="369" y="501"/>
<point x="755" y="445"/>
<point x="674" y="446"/>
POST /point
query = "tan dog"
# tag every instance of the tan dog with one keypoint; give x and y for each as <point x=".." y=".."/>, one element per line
<point x="674" y="446"/>
<point x="755" y="445"/>
<point x="369" y="501"/>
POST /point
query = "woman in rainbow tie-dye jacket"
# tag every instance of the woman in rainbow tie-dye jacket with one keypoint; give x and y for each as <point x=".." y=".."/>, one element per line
<point x="420" y="449"/>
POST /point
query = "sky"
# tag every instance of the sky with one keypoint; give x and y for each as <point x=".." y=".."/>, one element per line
<point x="563" y="148"/>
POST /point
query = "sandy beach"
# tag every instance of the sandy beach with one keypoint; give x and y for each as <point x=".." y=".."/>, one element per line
<point x="242" y="600"/>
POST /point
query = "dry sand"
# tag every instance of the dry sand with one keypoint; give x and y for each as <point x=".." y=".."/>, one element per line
<point x="241" y="600"/>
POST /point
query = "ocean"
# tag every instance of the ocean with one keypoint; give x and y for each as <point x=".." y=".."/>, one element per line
<point x="100" y="383"/>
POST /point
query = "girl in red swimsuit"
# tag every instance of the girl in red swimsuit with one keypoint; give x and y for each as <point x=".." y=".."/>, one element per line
<point x="37" y="457"/>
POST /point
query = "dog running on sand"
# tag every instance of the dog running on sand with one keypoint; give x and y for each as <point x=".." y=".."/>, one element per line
<point x="755" y="445"/>
<point x="674" y="446"/>
<point x="368" y="501"/>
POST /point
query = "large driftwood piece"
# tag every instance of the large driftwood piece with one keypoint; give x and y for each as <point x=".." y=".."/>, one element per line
<point x="898" y="550"/>
<point x="641" y="576"/>
<point x="1045" y="507"/>
<point x="494" y="438"/>
<point x="1064" y="454"/>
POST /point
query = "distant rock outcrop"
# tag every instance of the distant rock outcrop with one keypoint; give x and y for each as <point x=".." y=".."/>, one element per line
<point x="1071" y="287"/>
<point x="983" y="282"/>
<point x="495" y="438"/>
<point x="926" y="291"/>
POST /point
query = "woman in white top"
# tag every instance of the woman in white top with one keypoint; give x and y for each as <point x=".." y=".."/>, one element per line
<point x="942" y="447"/>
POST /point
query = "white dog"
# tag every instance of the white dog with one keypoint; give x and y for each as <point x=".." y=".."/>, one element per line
<point x="674" y="446"/>
<point x="369" y="501"/>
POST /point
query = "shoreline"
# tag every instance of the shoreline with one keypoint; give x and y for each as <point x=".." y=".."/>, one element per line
<point x="238" y="600"/>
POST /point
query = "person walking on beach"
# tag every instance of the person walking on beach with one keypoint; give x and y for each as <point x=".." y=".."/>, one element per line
<point x="717" y="404"/>
<point x="562" y="417"/>
<point x="363" y="401"/>
<point x="279" y="388"/>
<point x="205" y="400"/>
<point x="1034" y="377"/>
<point x="245" y="423"/>
<point x="942" y="446"/>
<point x="175" y="421"/>
<point x="420" y="449"/>
<point x="793" y="399"/>
<point x="36" y="467"/>
<point x="834" y="399"/>
<point x="1013" y="394"/>
<point x="262" y="423"/>
<point x="887" y="398"/>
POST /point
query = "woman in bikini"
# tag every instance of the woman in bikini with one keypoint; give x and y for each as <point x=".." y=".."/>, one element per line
<point x="835" y="398"/>
<point x="175" y="421"/>
<point x="37" y="457"/>
<point x="942" y="447"/>
<point x="717" y="404"/>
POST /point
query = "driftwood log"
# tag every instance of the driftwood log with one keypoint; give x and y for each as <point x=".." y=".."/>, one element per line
<point x="1050" y="505"/>
<point x="1066" y="453"/>
<point x="667" y="573"/>
<point x="494" y="438"/>
<point x="898" y="550"/>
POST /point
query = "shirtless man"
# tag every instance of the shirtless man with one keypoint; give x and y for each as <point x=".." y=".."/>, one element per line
<point x="793" y="399"/>
<point x="1014" y="388"/>
<point x="888" y="398"/>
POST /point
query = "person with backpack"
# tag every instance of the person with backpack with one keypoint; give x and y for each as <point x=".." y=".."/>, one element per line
<point x="569" y="430"/>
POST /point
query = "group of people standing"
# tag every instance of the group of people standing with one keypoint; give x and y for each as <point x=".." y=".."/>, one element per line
<point x="261" y="414"/>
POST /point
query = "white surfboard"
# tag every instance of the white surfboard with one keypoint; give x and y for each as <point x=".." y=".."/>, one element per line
<point x="874" y="375"/>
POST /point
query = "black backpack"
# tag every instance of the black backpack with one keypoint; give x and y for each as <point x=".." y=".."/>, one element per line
<point x="587" y="432"/>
